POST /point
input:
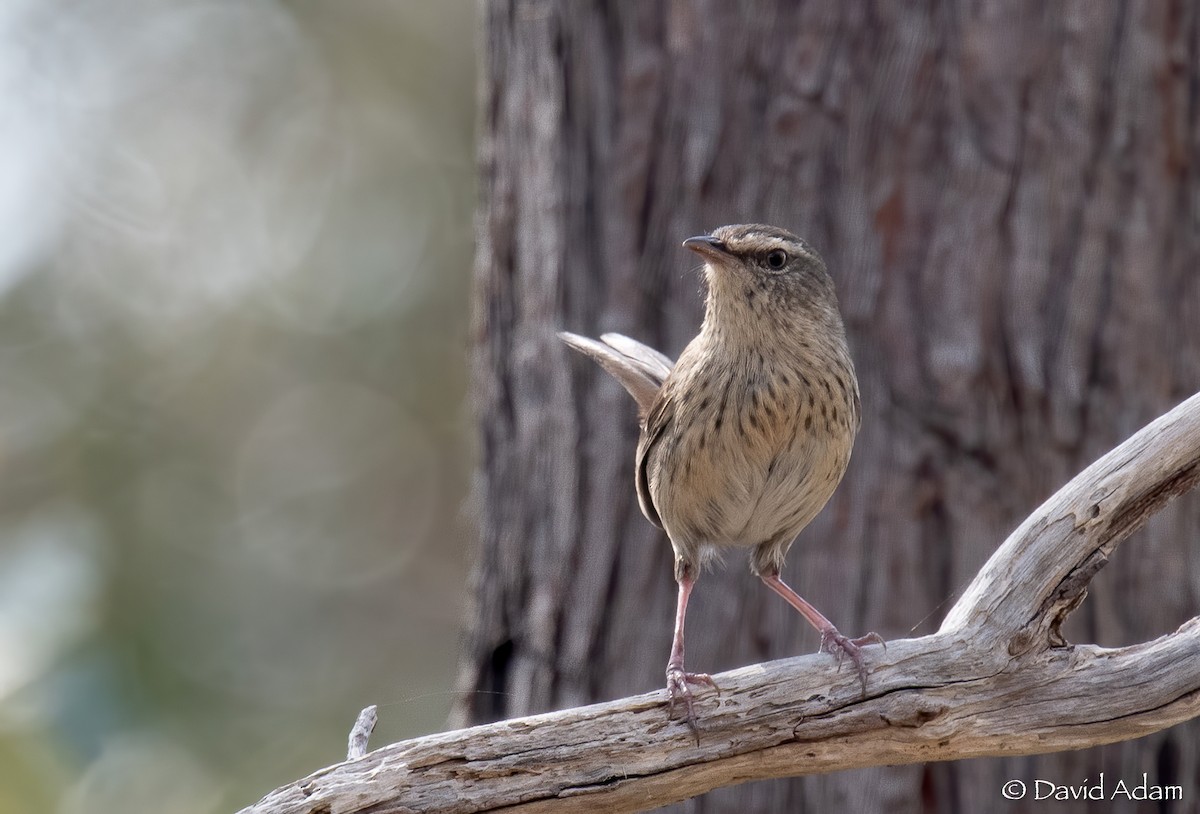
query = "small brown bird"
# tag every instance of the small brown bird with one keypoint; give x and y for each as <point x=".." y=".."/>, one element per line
<point x="745" y="438"/>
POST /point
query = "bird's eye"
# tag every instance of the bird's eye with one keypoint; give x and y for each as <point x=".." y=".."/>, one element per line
<point x="777" y="259"/>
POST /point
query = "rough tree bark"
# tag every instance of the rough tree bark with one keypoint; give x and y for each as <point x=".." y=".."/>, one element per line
<point x="1006" y="195"/>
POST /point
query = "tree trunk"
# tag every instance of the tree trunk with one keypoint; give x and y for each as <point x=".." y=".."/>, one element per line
<point x="1007" y="199"/>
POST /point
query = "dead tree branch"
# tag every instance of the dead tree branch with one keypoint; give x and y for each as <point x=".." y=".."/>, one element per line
<point x="996" y="679"/>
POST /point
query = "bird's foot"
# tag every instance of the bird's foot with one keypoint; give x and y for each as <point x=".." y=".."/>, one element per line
<point x="841" y="646"/>
<point x="677" y="688"/>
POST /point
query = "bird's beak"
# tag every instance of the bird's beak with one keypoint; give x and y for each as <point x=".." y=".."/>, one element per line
<point x="707" y="247"/>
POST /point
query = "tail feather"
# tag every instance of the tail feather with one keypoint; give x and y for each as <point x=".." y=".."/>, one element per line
<point x="640" y="369"/>
<point x="654" y="364"/>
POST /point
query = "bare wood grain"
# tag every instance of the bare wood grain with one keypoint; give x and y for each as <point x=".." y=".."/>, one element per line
<point x="996" y="679"/>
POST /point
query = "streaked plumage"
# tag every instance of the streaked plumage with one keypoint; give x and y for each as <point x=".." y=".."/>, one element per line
<point x="746" y="436"/>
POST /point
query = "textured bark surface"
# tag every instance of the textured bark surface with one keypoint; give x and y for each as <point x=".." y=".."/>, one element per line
<point x="1007" y="197"/>
<point x="940" y="697"/>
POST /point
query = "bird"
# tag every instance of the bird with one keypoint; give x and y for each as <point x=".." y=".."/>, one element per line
<point x="745" y="438"/>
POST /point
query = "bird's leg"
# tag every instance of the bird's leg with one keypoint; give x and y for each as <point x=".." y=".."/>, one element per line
<point x="677" y="679"/>
<point x="831" y="641"/>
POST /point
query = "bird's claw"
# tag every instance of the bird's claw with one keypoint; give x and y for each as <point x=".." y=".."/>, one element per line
<point x="677" y="688"/>
<point x="841" y="646"/>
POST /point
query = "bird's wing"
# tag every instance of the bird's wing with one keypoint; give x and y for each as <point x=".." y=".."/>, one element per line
<point x="658" y="417"/>
<point x="640" y="369"/>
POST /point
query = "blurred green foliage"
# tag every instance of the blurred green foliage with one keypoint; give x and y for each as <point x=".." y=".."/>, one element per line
<point x="234" y="436"/>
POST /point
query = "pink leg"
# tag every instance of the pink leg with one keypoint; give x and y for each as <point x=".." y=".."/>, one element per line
<point x="677" y="679"/>
<point x="830" y="638"/>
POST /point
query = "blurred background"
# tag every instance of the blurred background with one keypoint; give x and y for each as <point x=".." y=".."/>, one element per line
<point x="234" y="436"/>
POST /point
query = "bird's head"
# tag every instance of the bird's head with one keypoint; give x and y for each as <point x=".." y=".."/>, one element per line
<point x="763" y="275"/>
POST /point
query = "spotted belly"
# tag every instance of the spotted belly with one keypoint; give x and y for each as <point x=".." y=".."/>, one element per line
<point x="729" y="491"/>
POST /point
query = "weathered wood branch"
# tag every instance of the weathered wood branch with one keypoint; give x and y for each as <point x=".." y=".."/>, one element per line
<point x="996" y="679"/>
